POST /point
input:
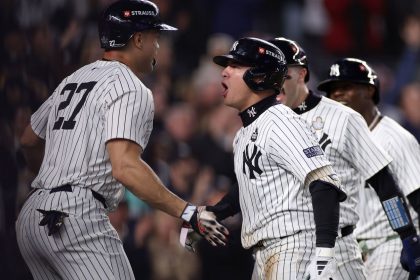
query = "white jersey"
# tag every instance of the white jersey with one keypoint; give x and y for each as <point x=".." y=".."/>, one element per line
<point x="274" y="152"/>
<point x="405" y="152"/>
<point x="345" y="138"/>
<point x="101" y="101"/>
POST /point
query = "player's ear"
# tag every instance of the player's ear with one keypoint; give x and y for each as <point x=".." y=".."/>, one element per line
<point x="370" y="91"/>
<point x="138" y="40"/>
<point x="302" y="73"/>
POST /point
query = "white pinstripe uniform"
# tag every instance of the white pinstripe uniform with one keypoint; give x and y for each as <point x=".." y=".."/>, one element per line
<point x="380" y="243"/>
<point x="101" y="101"/>
<point x="274" y="152"/>
<point x="345" y="138"/>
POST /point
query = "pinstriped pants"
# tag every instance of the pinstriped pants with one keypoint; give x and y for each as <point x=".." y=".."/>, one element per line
<point x="86" y="246"/>
<point x="384" y="261"/>
<point x="285" y="258"/>
<point x="349" y="259"/>
<point x="289" y="257"/>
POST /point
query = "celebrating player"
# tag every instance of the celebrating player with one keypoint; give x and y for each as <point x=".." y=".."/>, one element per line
<point x="354" y="83"/>
<point x="94" y="128"/>
<point x="289" y="194"/>
<point x="345" y="138"/>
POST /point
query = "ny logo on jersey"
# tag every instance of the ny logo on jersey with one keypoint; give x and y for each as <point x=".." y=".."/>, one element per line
<point x="324" y="141"/>
<point x="251" y="162"/>
<point x="335" y="70"/>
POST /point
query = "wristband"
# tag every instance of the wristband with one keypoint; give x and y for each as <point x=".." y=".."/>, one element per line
<point x="188" y="212"/>
<point x="396" y="212"/>
<point x="324" y="252"/>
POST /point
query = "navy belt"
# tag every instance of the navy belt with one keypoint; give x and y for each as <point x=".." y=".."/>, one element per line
<point x="68" y="188"/>
<point x="347" y="230"/>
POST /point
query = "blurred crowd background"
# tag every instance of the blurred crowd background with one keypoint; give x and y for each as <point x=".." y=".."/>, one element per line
<point x="42" y="41"/>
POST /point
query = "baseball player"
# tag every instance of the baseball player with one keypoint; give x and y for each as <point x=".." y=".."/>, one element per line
<point x="344" y="136"/>
<point x="354" y="83"/>
<point x="95" y="127"/>
<point x="287" y="191"/>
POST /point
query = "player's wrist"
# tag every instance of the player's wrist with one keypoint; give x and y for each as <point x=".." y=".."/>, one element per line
<point x="188" y="212"/>
<point x="324" y="252"/>
<point x="190" y="215"/>
<point x="407" y="232"/>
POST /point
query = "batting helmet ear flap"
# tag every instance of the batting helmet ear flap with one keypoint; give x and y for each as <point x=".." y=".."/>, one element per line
<point x="261" y="78"/>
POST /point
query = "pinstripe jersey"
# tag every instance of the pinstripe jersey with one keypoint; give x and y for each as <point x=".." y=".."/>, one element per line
<point x="405" y="152"/>
<point x="274" y="151"/>
<point x="101" y="101"/>
<point x="345" y="138"/>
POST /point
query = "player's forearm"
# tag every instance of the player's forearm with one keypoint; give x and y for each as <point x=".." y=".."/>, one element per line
<point x="141" y="180"/>
<point x="228" y="205"/>
<point x="326" y="207"/>
<point x="414" y="199"/>
<point x="393" y="202"/>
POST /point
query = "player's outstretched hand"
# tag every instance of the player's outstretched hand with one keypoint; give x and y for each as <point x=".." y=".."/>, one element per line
<point x="205" y="223"/>
<point x="410" y="254"/>
<point x="323" y="266"/>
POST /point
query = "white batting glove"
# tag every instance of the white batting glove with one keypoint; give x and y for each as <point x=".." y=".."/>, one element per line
<point x="205" y="223"/>
<point x="323" y="266"/>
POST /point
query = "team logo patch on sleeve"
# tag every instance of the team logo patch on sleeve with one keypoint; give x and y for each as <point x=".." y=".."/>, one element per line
<point x="313" y="151"/>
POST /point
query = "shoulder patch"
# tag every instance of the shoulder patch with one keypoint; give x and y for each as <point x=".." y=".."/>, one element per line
<point x="313" y="151"/>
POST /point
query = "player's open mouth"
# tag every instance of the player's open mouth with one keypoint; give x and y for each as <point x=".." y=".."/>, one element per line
<point x="225" y="89"/>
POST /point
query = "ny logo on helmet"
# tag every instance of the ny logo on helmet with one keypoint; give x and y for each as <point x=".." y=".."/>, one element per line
<point x="335" y="70"/>
<point x="234" y="46"/>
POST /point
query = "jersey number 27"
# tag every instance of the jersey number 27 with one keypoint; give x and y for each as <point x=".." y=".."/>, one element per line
<point x="72" y="88"/>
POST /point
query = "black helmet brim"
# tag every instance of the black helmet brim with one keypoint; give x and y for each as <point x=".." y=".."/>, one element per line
<point x="224" y="60"/>
<point x="326" y="84"/>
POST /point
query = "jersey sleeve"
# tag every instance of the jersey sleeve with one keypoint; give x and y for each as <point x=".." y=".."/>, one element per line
<point x="405" y="165"/>
<point x="39" y="119"/>
<point x="294" y="147"/>
<point x="130" y="116"/>
<point x="366" y="156"/>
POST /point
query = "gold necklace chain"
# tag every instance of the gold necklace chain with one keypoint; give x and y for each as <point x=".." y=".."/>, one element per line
<point x="376" y="119"/>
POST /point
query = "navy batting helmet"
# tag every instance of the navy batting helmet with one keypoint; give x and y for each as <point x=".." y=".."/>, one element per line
<point x="294" y="54"/>
<point x="351" y="70"/>
<point x="125" y="17"/>
<point x="265" y="59"/>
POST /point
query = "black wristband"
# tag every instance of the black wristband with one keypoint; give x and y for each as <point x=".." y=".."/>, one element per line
<point x="326" y="209"/>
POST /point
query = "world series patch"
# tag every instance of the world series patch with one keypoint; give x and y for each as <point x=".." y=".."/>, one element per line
<point x="313" y="151"/>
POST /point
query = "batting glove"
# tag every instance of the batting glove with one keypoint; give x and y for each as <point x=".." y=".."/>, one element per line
<point x="323" y="267"/>
<point x="205" y="223"/>
<point x="410" y="254"/>
<point x="189" y="238"/>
